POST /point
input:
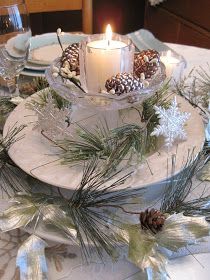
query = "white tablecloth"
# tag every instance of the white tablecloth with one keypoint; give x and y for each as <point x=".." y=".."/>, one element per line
<point x="194" y="56"/>
<point x="64" y="264"/>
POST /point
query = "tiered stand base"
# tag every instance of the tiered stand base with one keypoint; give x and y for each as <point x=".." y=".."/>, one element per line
<point x="37" y="157"/>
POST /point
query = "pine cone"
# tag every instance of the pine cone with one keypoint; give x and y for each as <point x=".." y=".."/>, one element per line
<point x="152" y="219"/>
<point x="123" y="83"/>
<point x="70" y="57"/>
<point x="146" y="62"/>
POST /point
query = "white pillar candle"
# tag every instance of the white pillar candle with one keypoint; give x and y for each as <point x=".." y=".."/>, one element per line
<point x="170" y="63"/>
<point x="104" y="58"/>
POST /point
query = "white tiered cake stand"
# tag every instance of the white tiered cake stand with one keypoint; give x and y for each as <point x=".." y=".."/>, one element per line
<point x="37" y="157"/>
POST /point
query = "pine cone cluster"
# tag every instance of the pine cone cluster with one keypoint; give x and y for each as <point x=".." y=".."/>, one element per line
<point x="123" y="83"/>
<point x="147" y="62"/>
<point x="70" y="57"/>
<point x="152" y="220"/>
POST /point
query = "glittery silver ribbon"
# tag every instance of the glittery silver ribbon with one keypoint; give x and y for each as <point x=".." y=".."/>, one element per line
<point x="146" y="250"/>
<point x="31" y="259"/>
<point x="154" y="275"/>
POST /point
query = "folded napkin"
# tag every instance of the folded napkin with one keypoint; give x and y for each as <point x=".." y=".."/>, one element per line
<point x="144" y="39"/>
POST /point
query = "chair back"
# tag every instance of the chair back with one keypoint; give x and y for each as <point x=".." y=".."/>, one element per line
<point x="37" y="6"/>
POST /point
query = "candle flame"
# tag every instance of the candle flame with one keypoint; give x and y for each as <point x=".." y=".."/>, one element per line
<point x="108" y="33"/>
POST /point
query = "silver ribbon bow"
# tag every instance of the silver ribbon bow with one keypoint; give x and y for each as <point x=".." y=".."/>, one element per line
<point x="31" y="259"/>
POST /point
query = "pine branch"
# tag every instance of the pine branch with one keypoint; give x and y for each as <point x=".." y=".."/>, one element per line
<point x="40" y="83"/>
<point x="204" y="78"/>
<point x="197" y="207"/>
<point x="97" y="192"/>
<point x="43" y="99"/>
<point x="130" y="142"/>
<point x="83" y="214"/>
<point x="195" y="89"/>
<point x="5" y="108"/>
<point x="161" y="98"/>
<point x="12" y="136"/>
<point x="180" y="186"/>
<point x="29" y="88"/>
<point x="12" y="179"/>
<point x="110" y="146"/>
<point x="5" y="105"/>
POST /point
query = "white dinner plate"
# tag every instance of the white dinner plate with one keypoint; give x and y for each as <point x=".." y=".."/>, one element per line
<point x="37" y="156"/>
<point x="45" y="48"/>
<point x="36" y="67"/>
<point x="33" y="73"/>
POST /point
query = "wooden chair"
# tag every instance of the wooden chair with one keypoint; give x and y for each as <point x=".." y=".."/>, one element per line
<point x="37" y="6"/>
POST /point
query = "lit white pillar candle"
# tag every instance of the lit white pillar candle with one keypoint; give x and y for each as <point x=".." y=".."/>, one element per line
<point x="106" y="56"/>
<point x="170" y="63"/>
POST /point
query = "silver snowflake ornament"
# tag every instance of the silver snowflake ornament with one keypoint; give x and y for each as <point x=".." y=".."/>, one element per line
<point x="54" y="122"/>
<point x="171" y="123"/>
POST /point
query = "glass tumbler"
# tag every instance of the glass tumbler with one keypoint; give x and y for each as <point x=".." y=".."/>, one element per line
<point x="15" y="36"/>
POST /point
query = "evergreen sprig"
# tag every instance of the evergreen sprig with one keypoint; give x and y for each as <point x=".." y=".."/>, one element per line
<point x="12" y="179"/>
<point x="128" y="142"/>
<point x="180" y="186"/>
<point x="44" y="97"/>
<point x="204" y="78"/>
<point x="6" y="106"/>
<point x="195" y="88"/>
<point x="161" y="98"/>
<point x="84" y="212"/>
<point x="29" y="88"/>
<point x="86" y="207"/>
<point x="111" y="146"/>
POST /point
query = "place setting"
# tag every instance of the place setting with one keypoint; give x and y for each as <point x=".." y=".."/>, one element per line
<point x="103" y="155"/>
<point x="43" y="50"/>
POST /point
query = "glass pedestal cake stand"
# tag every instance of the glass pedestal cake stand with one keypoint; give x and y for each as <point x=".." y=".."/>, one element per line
<point x="103" y="101"/>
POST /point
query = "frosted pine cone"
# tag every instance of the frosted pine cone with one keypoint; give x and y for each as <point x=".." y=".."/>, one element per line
<point x="146" y="62"/>
<point x="123" y="83"/>
<point x="70" y="57"/>
<point x="152" y="219"/>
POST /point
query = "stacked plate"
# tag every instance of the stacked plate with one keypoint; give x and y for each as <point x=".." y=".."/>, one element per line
<point x="44" y="49"/>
